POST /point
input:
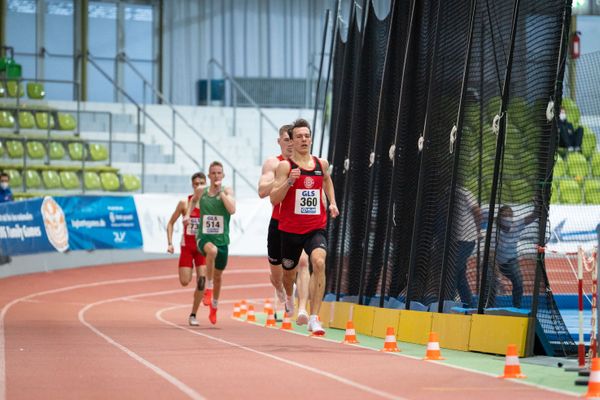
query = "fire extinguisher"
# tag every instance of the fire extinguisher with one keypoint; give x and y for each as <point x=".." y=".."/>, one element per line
<point x="575" y="45"/>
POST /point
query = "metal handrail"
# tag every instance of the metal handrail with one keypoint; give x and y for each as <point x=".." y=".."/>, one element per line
<point x="245" y="94"/>
<point x="123" y="57"/>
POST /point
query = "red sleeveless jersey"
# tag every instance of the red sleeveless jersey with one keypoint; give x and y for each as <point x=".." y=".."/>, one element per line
<point x="189" y="230"/>
<point x="275" y="214"/>
<point x="302" y="209"/>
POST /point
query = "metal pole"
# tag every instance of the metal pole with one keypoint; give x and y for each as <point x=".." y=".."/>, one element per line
<point x="497" y="160"/>
<point x="326" y="25"/>
<point x="173" y="133"/>
<point x="331" y="55"/>
<point x="412" y="266"/>
<point x="453" y="183"/>
<point x="143" y="167"/>
<point x="110" y="138"/>
<point x="83" y="16"/>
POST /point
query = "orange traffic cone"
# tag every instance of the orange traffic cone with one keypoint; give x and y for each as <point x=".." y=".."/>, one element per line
<point x="243" y="308"/>
<point x="270" y="319"/>
<point x="286" y="324"/>
<point x="390" y="344"/>
<point x="250" y="317"/>
<point x="350" y="336"/>
<point x="236" y="310"/>
<point x="512" y="368"/>
<point x="433" y="348"/>
<point x="594" y="381"/>
<point x="268" y="306"/>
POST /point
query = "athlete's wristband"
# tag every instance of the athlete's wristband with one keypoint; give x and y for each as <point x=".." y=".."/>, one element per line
<point x="290" y="183"/>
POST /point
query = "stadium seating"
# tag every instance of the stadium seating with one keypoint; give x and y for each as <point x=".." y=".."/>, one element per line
<point x="56" y="151"/>
<point x="559" y="168"/>
<point x="51" y="179"/>
<point x="570" y="192"/>
<point x="35" y="150"/>
<point x="588" y="144"/>
<point x="15" y="178"/>
<point x="35" y="90"/>
<point x="592" y="191"/>
<point x="26" y="120"/>
<point x="2" y="151"/>
<point x="14" y="148"/>
<point x="131" y="183"/>
<point x="14" y="89"/>
<point x="66" y="122"/>
<point x="76" y="151"/>
<point x="110" y="181"/>
<point x="577" y="165"/>
<point x="32" y="179"/>
<point x="596" y="165"/>
<point x="69" y="180"/>
<point x="91" y="181"/>
<point x="98" y="152"/>
<point x="6" y="119"/>
<point x="44" y="120"/>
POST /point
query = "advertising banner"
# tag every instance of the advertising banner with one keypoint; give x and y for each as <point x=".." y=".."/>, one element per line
<point x="154" y="212"/>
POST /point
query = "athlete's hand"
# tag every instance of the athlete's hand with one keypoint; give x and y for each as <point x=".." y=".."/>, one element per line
<point x="170" y="249"/>
<point x="333" y="210"/>
<point x="186" y="221"/>
<point x="294" y="174"/>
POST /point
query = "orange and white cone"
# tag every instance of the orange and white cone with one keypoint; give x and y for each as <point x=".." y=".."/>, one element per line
<point x="268" y="306"/>
<point x="512" y="368"/>
<point x="286" y="325"/>
<point x="270" y="319"/>
<point x="594" y="381"/>
<point x="350" y="336"/>
<point x="250" y="317"/>
<point x="236" y="310"/>
<point x="243" y="308"/>
<point x="390" y="344"/>
<point x="433" y="348"/>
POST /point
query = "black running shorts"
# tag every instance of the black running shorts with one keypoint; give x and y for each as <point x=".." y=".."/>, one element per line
<point x="274" y="243"/>
<point x="292" y="245"/>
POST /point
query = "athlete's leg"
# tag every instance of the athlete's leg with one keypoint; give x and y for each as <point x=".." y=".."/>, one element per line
<point x="317" y="280"/>
<point x="274" y="256"/>
<point x="302" y="288"/>
<point x="200" y="285"/>
<point x="185" y="275"/>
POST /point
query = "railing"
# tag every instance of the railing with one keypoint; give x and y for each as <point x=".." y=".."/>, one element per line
<point x="176" y="114"/>
<point x="235" y="85"/>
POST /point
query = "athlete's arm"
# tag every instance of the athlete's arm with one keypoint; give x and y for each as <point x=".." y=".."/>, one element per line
<point x="265" y="183"/>
<point x="228" y="200"/>
<point x="329" y="190"/>
<point x="178" y="211"/>
<point x="282" y="183"/>
<point x="198" y="192"/>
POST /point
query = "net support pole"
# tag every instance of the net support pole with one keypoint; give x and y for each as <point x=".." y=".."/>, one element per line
<point x="453" y="183"/>
<point x="581" y="344"/>
<point x="314" y="125"/>
<point x="498" y="159"/>
<point x="594" y="333"/>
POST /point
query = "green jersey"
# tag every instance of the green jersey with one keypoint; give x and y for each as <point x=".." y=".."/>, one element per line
<point x="215" y="220"/>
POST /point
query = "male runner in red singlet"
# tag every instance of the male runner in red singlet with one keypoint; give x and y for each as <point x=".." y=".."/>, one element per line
<point x="265" y="185"/>
<point x="190" y="256"/>
<point x="303" y="186"/>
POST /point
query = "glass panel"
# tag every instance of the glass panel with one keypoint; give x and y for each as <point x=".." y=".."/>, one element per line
<point x="99" y="88"/>
<point x="27" y="65"/>
<point x="134" y="85"/>
<point x="20" y="26"/>
<point x="102" y="29"/>
<point x="60" y="68"/>
<point x="58" y="29"/>
<point x="139" y="33"/>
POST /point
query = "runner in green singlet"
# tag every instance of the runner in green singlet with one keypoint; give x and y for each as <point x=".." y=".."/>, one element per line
<point x="217" y="204"/>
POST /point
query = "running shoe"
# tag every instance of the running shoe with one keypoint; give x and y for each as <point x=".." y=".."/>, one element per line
<point x="207" y="297"/>
<point x="212" y="317"/>
<point x="289" y="306"/>
<point x="314" y="326"/>
<point x="193" y="321"/>
<point x="302" y="318"/>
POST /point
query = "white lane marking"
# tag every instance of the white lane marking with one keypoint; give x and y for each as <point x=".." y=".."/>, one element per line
<point x="317" y="371"/>
<point x="28" y="297"/>
<point x="191" y="393"/>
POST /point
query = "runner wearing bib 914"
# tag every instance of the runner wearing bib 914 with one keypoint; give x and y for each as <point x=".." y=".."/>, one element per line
<point x="302" y="186"/>
<point x="217" y="204"/>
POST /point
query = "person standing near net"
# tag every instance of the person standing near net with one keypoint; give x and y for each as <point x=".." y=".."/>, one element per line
<point x="190" y="257"/>
<point x="303" y="186"/>
<point x="217" y="204"/>
<point x="265" y="185"/>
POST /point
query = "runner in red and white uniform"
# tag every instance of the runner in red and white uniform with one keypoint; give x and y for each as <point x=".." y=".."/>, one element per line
<point x="303" y="186"/>
<point x="190" y="257"/>
<point x="265" y="185"/>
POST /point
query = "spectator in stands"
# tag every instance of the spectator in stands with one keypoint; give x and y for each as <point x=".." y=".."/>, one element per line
<point x="467" y="221"/>
<point x="5" y="192"/>
<point x="570" y="137"/>
<point x="508" y="233"/>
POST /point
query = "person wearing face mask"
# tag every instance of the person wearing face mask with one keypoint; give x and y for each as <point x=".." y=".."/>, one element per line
<point x="5" y="192"/>
<point x="569" y="136"/>
<point x="507" y="235"/>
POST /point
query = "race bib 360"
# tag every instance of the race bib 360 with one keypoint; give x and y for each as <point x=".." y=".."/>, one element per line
<point x="308" y="202"/>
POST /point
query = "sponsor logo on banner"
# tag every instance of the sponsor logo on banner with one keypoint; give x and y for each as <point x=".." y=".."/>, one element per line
<point x="55" y="224"/>
<point x="119" y="236"/>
